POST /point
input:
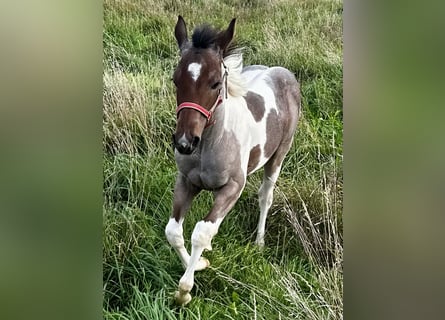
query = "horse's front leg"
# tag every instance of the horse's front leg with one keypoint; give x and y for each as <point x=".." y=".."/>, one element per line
<point x="204" y="231"/>
<point x="182" y="200"/>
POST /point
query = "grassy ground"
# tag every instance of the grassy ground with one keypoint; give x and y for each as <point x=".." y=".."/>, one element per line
<point x="299" y="273"/>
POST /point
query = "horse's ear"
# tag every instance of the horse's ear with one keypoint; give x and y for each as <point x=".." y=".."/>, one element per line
<point x="181" y="32"/>
<point x="225" y="37"/>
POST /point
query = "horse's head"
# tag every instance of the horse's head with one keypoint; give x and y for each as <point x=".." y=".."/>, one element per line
<point x="199" y="78"/>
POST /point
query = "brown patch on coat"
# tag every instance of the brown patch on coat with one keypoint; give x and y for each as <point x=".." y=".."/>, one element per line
<point x="254" y="158"/>
<point x="255" y="103"/>
<point x="274" y="133"/>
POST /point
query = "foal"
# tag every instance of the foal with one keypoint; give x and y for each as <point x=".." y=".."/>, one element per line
<point x="230" y="122"/>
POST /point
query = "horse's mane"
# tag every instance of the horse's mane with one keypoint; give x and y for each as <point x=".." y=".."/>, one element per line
<point x="235" y="80"/>
<point x="203" y="37"/>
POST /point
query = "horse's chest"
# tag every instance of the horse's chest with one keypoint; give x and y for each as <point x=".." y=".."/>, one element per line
<point x="207" y="172"/>
<point x="214" y="164"/>
<point x="209" y="177"/>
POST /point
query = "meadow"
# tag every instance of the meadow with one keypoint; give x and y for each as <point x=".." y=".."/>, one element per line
<point x="299" y="273"/>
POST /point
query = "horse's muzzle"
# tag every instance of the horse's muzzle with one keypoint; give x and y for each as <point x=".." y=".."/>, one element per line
<point x="184" y="146"/>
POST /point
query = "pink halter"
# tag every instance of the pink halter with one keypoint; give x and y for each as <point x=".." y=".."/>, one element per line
<point x="206" y="113"/>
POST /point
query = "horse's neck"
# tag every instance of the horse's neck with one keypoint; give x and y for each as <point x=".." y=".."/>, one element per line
<point x="214" y="133"/>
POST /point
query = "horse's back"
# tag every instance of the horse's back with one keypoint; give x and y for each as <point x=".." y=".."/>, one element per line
<point x="250" y="73"/>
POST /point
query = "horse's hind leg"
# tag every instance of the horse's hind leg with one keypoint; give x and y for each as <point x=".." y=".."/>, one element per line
<point x="271" y="172"/>
<point x="183" y="196"/>
<point x="291" y="109"/>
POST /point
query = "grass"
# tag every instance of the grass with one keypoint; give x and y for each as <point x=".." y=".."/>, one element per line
<point x="299" y="274"/>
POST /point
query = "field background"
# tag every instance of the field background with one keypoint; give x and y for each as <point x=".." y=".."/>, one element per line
<point x="299" y="274"/>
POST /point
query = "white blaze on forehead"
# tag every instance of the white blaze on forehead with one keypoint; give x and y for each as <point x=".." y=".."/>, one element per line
<point x="195" y="70"/>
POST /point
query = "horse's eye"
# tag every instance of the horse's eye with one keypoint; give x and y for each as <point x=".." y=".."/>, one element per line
<point x="216" y="85"/>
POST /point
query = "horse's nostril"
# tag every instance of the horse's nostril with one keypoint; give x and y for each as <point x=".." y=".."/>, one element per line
<point x="196" y="141"/>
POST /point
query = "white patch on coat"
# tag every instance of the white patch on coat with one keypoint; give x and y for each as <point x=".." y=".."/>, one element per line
<point x="195" y="70"/>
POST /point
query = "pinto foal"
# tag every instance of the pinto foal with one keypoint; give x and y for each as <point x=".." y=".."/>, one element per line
<point x="231" y="121"/>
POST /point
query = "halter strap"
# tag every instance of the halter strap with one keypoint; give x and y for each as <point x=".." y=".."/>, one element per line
<point x="206" y="113"/>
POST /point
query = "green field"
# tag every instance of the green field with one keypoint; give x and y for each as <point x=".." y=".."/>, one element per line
<point x="299" y="274"/>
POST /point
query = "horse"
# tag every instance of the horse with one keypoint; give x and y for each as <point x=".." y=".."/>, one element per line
<point x="231" y="121"/>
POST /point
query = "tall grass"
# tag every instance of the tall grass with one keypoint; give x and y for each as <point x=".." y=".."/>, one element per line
<point x="299" y="274"/>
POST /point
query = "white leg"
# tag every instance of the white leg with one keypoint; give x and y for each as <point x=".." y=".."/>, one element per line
<point x="183" y="196"/>
<point x="265" y="194"/>
<point x="201" y="239"/>
<point x="173" y="232"/>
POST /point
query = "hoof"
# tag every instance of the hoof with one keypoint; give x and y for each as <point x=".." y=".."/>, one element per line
<point x="182" y="298"/>
<point x="202" y="264"/>
<point x="260" y="243"/>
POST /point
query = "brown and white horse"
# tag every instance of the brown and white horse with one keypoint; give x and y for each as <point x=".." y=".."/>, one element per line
<point x="231" y="121"/>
